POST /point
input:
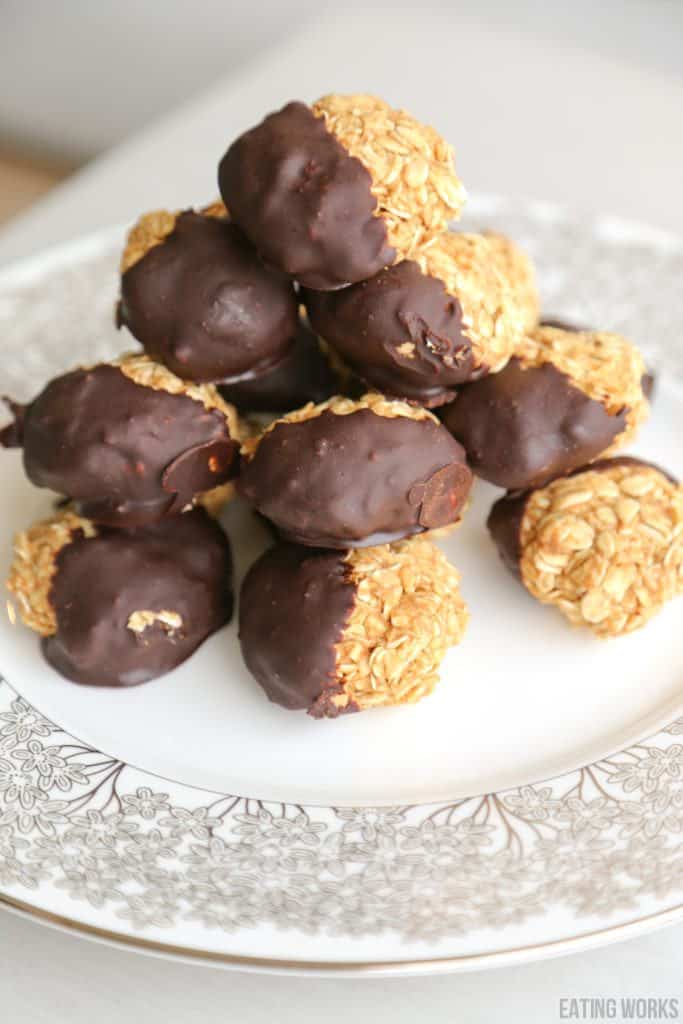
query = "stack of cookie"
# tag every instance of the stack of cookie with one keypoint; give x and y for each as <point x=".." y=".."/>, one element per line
<point x="398" y="356"/>
<point x="132" y="572"/>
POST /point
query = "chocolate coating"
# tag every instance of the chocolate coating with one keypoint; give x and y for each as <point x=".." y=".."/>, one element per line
<point x="202" y="303"/>
<point x="12" y="436"/>
<point x="304" y="375"/>
<point x="523" y="427"/>
<point x="303" y="201"/>
<point x="505" y="518"/>
<point x="294" y="605"/>
<point x="373" y="323"/>
<point x="649" y="385"/>
<point x="182" y="565"/>
<point x="504" y="523"/>
<point x="127" y="454"/>
<point x="563" y="325"/>
<point x="355" y="480"/>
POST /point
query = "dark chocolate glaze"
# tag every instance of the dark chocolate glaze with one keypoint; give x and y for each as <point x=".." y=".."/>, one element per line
<point x="505" y="518"/>
<point x="348" y="481"/>
<point x="12" y="436"/>
<point x="649" y="385"/>
<point x="523" y="427"/>
<point x="182" y="565"/>
<point x="127" y="454"/>
<point x="304" y="375"/>
<point x="203" y="303"/>
<point x="504" y="523"/>
<point x="563" y="325"/>
<point x="303" y="201"/>
<point x="369" y="324"/>
<point x="294" y="605"/>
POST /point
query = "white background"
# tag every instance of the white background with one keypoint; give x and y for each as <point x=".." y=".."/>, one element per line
<point x="77" y="76"/>
<point x="581" y="103"/>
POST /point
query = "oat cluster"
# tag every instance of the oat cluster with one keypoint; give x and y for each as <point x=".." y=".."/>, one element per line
<point x="149" y="374"/>
<point x="408" y="612"/>
<point x="141" y="620"/>
<point x="605" y="546"/>
<point x="215" y="209"/>
<point x="484" y="278"/>
<point x="391" y="408"/>
<point x="150" y="230"/>
<point x="605" y="366"/>
<point x="34" y="566"/>
<point x="411" y="166"/>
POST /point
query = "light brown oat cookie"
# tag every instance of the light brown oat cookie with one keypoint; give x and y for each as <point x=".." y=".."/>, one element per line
<point x="334" y="632"/>
<point x="604" y="546"/>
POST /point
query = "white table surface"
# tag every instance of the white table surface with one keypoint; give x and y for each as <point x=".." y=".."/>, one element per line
<point x="531" y="114"/>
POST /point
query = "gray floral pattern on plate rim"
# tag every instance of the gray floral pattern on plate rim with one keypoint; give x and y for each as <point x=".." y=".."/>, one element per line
<point x="595" y="841"/>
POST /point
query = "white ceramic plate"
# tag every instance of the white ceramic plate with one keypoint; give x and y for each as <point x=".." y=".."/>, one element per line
<point x="408" y="838"/>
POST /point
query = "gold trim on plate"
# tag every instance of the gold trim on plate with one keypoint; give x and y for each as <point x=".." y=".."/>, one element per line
<point x="495" y="958"/>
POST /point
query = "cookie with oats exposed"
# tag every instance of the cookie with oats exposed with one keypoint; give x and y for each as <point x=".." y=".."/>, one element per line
<point x="566" y="398"/>
<point x="333" y="192"/>
<point x="604" y="546"/>
<point x="334" y="632"/>
<point x="649" y="381"/>
<point x="355" y="473"/>
<point x="422" y="327"/>
<point x="121" y="607"/>
<point x="128" y="441"/>
<point x="198" y="298"/>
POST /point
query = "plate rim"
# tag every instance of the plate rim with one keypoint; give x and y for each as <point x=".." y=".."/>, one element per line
<point x="490" y="960"/>
<point x="79" y="249"/>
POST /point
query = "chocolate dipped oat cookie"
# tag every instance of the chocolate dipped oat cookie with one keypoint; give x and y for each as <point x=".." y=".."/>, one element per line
<point x="604" y="545"/>
<point x="121" y="607"/>
<point x="198" y="298"/>
<point x="567" y="397"/>
<point x="333" y="192"/>
<point x="334" y="632"/>
<point x="128" y="441"/>
<point x="422" y="327"/>
<point x="355" y="473"/>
